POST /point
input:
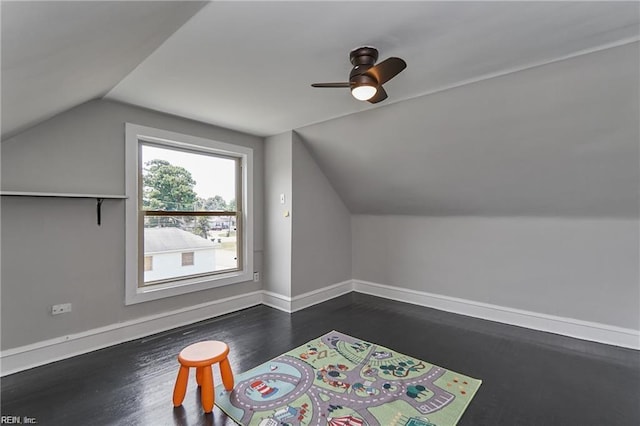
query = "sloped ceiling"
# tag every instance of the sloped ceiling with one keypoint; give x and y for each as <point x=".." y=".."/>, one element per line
<point x="506" y="108"/>
<point x="56" y="55"/>
<point x="555" y="140"/>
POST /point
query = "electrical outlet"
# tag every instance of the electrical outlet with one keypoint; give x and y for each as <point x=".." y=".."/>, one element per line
<point x="60" y="309"/>
<point x="256" y="276"/>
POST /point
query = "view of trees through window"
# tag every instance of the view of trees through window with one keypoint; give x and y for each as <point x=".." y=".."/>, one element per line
<point x="189" y="204"/>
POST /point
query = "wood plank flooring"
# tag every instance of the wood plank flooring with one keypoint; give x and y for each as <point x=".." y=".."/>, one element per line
<point x="529" y="377"/>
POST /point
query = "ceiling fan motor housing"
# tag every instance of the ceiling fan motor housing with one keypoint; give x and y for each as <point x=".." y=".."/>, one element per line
<point x="363" y="56"/>
<point x="362" y="59"/>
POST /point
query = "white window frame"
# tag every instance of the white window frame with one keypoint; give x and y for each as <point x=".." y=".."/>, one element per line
<point x="134" y="291"/>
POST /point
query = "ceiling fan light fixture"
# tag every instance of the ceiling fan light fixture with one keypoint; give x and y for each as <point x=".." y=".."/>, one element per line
<point x="364" y="92"/>
<point x="363" y="87"/>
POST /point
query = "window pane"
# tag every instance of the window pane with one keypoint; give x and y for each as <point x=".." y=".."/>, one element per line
<point x="174" y="179"/>
<point x="209" y="240"/>
<point x="186" y="181"/>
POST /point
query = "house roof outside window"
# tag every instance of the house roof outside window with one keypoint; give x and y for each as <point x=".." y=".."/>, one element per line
<point x="158" y="240"/>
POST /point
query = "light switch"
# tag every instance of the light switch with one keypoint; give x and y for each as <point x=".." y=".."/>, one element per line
<point x="281" y="198"/>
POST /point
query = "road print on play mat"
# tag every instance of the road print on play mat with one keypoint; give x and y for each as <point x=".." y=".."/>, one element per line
<point x="339" y="380"/>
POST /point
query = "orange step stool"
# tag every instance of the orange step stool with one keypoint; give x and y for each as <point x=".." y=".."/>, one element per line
<point x="202" y="356"/>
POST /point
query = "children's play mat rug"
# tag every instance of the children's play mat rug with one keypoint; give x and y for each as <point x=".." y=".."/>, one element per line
<point x="338" y="380"/>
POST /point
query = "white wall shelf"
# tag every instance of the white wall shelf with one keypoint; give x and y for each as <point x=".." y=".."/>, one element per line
<point x="98" y="197"/>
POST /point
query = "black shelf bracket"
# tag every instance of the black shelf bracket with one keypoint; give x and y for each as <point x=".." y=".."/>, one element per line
<point x="99" y="210"/>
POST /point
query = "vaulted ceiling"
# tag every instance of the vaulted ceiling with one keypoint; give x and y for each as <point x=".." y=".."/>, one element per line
<point x="506" y="108"/>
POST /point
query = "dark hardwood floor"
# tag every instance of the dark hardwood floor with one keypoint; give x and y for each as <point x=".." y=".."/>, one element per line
<point x="529" y="377"/>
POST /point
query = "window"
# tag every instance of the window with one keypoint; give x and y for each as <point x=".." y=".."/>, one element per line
<point x="189" y="219"/>
<point x="187" y="259"/>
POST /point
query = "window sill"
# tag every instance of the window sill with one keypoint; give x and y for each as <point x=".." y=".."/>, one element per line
<point x="178" y="287"/>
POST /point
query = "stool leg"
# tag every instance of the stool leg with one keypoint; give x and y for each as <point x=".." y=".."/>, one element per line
<point x="206" y="391"/>
<point x="199" y="375"/>
<point x="180" y="388"/>
<point x="227" y="374"/>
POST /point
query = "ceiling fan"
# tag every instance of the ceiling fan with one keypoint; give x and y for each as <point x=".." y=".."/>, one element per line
<point x="366" y="79"/>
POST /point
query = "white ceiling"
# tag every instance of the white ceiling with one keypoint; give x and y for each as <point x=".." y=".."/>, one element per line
<point x="249" y="65"/>
<point x="506" y="108"/>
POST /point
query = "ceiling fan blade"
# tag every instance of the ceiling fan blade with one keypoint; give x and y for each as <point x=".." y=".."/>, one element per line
<point x="387" y="69"/>
<point x="337" y="85"/>
<point x="380" y="95"/>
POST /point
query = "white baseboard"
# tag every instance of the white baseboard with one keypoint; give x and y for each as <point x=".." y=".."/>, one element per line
<point x="40" y="353"/>
<point x="276" y="301"/>
<point x="321" y="295"/>
<point x="296" y="303"/>
<point x="585" y="330"/>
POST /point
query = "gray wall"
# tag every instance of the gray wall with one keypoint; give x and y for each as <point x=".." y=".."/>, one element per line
<point x="321" y="234"/>
<point x="585" y="269"/>
<point x="277" y="176"/>
<point x="53" y="251"/>
<point x="311" y="248"/>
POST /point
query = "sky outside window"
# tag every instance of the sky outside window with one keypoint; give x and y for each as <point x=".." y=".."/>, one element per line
<point x="213" y="175"/>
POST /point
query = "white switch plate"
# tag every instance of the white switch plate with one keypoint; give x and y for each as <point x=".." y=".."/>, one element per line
<point x="282" y="199"/>
<point x="256" y="276"/>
